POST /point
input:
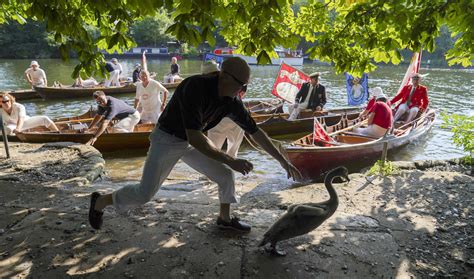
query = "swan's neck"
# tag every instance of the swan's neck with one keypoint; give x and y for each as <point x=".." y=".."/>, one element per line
<point x="332" y="193"/>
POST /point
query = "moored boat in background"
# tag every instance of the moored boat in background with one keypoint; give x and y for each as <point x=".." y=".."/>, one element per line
<point x="351" y="150"/>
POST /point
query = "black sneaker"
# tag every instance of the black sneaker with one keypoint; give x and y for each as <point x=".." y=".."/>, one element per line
<point x="234" y="224"/>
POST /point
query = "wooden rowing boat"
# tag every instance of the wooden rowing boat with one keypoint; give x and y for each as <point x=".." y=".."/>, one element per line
<point x="352" y="150"/>
<point x="24" y="94"/>
<point x="71" y="128"/>
<point x="69" y="92"/>
<point x="277" y="125"/>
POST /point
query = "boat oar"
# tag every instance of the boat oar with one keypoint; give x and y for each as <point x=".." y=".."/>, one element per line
<point x="74" y="121"/>
<point x="349" y="128"/>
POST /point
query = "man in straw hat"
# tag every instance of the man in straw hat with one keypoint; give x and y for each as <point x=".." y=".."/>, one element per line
<point x="198" y="104"/>
<point x="376" y="92"/>
<point x="413" y="98"/>
<point x="312" y="95"/>
<point x="36" y="76"/>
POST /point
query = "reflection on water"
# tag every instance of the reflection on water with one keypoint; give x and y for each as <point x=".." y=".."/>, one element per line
<point x="449" y="90"/>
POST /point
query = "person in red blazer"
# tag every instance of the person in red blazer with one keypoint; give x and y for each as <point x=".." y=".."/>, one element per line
<point x="413" y="98"/>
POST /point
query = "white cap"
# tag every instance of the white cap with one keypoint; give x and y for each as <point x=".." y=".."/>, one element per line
<point x="380" y="96"/>
<point x="209" y="67"/>
<point x="376" y="92"/>
<point x="34" y="63"/>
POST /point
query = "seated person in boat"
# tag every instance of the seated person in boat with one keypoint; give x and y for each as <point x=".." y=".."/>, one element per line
<point x="413" y="99"/>
<point x="173" y="76"/>
<point x="226" y="130"/>
<point x="85" y="83"/>
<point x="312" y="95"/>
<point x="136" y="73"/>
<point x="108" y="109"/>
<point x="15" y="119"/>
<point x="36" y="76"/>
<point x="376" y="92"/>
<point x="380" y="119"/>
<point x="148" y="99"/>
<point x="198" y="104"/>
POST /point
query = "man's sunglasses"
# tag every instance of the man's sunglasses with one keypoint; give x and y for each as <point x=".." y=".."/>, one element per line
<point x="242" y="84"/>
<point x="5" y="101"/>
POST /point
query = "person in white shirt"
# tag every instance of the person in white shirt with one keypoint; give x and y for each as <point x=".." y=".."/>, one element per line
<point x="115" y="69"/>
<point x="15" y="119"/>
<point x="36" y="76"/>
<point x="227" y="129"/>
<point x="148" y="99"/>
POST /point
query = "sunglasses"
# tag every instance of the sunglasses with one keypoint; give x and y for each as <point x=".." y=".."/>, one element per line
<point x="242" y="84"/>
<point x="4" y="102"/>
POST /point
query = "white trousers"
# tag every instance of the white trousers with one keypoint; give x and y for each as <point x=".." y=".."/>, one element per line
<point x="29" y="123"/>
<point x="150" y="116"/>
<point x="169" y="78"/>
<point x="127" y="124"/>
<point x="295" y="110"/>
<point x="372" y="131"/>
<point x="402" y="109"/>
<point x="165" y="151"/>
<point x="113" y="80"/>
<point x="227" y="129"/>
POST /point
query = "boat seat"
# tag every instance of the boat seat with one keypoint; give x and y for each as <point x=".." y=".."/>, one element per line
<point x="360" y="135"/>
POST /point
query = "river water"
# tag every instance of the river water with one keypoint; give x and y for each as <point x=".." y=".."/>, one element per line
<point x="449" y="90"/>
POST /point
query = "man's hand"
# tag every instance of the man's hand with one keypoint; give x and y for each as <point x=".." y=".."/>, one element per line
<point x="91" y="141"/>
<point x="292" y="171"/>
<point x="318" y="108"/>
<point x="241" y="165"/>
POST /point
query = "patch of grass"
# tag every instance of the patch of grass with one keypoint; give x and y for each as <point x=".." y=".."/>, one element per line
<point x="383" y="169"/>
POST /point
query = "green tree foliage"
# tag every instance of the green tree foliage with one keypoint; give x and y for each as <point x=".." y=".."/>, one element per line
<point x="353" y="34"/>
<point x="29" y="40"/>
<point x="462" y="127"/>
<point x="151" y="30"/>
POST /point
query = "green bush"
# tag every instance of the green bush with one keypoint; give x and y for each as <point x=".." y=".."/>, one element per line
<point x="462" y="127"/>
<point x="382" y="169"/>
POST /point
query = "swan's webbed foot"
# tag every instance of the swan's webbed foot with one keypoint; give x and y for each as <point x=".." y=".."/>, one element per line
<point x="273" y="250"/>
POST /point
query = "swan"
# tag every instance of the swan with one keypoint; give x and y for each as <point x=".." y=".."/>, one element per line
<point x="303" y="218"/>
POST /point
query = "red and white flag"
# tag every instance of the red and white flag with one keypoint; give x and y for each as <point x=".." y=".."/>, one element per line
<point x="144" y="66"/>
<point x="413" y="68"/>
<point x="288" y="82"/>
<point x="320" y="135"/>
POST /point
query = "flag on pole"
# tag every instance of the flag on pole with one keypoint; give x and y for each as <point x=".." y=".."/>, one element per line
<point x="218" y="59"/>
<point x="144" y="65"/>
<point x="413" y="68"/>
<point x="288" y="82"/>
<point x="357" y="89"/>
<point x="320" y="135"/>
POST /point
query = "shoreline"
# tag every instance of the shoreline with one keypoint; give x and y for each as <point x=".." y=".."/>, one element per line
<point x="415" y="223"/>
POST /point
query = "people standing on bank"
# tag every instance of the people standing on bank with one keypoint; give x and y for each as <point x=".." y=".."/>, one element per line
<point x="174" y="74"/>
<point x="148" y="99"/>
<point x="413" y="99"/>
<point x="312" y="95"/>
<point x="114" y="68"/>
<point x="136" y="73"/>
<point x="36" y="76"/>
<point x="380" y="118"/>
<point x="15" y="119"/>
<point x="226" y="130"/>
<point x="198" y="104"/>
<point x="108" y="109"/>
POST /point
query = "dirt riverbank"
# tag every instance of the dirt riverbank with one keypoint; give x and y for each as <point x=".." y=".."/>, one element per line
<point x="417" y="223"/>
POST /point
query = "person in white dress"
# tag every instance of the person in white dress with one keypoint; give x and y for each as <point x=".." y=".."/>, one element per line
<point x="148" y="100"/>
<point x="15" y="119"/>
<point x="226" y="129"/>
<point x="36" y="76"/>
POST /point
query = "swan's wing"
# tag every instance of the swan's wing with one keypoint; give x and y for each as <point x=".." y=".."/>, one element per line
<point x="305" y="211"/>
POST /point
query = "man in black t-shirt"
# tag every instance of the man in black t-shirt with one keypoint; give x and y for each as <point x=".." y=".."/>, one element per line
<point x="108" y="109"/>
<point x="198" y="104"/>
